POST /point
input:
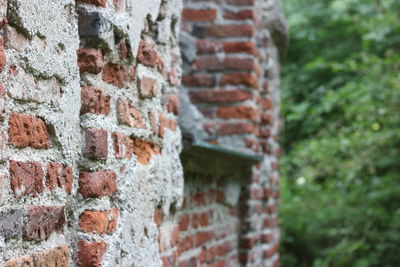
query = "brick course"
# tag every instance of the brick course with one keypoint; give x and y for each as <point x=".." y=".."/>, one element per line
<point x="26" y="130"/>
<point x="97" y="184"/>
<point x="26" y="178"/>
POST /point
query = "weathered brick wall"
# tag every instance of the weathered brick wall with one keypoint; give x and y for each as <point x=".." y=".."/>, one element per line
<point x="89" y="140"/>
<point x="205" y="231"/>
<point x="90" y="167"/>
<point x="231" y="71"/>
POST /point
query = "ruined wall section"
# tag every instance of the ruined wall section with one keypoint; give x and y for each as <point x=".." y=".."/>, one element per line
<point x="40" y="102"/>
<point x="231" y="51"/>
<point x="89" y="141"/>
<point x="129" y="65"/>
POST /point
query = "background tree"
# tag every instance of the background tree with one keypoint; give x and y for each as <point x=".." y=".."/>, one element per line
<point x="340" y="202"/>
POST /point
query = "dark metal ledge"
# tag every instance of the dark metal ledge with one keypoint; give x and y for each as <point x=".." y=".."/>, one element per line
<point x="202" y="148"/>
<point x="207" y="149"/>
<point x="215" y="161"/>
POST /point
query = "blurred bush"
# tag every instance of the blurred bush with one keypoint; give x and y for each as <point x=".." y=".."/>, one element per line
<point x="340" y="203"/>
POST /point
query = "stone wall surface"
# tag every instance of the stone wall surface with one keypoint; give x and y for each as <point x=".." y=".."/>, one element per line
<point x="91" y="170"/>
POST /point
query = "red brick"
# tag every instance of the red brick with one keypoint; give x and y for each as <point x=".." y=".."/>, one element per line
<point x="220" y="263"/>
<point x="256" y="193"/>
<point x="277" y="152"/>
<point x="268" y="253"/>
<point x="230" y="63"/>
<point x="166" y="123"/>
<point x="219" y="96"/>
<point x="236" y="63"/>
<point x="96" y="144"/>
<point x="13" y="70"/>
<point x="207" y="46"/>
<point x="174" y="77"/>
<point x="147" y="55"/>
<point x="129" y="115"/>
<point x="3" y="97"/>
<point x="208" y="63"/>
<point x="26" y="130"/>
<point x="121" y="145"/>
<point x="94" y="221"/>
<point x="43" y="221"/>
<point x="239" y="78"/>
<point x="90" y="60"/>
<point x="199" y="199"/>
<point x="229" y="128"/>
<point x="148" y="87"/>
<point x="200" y="219"/>
<point x="162" y="240"/>
<point x="270" y="223"/>
<point x="199" y="15"/>
<point x="184" y="221"/>
<point x="267" y="103"/>
<point x="101" y="3"/>
<point x="185" y="244"/>
<point x="239" y="15"/>
<point x="240" y="47"/>
<point x="161" y="68"/>
<point x="99" y="221"/>
<point x="198" y="80"/>
<point x="26" y="178"/>
<point x="90" y="254"/>
<point x="172" y="104"/>
<point x="267" y="193"/>
<point x="240" y="2"/>
<point x="246" y="257"/>
<point x="220" y="197"/>
<point x="224" y="248"/>
<point x="265" y="133"/>
<point x="23" y="261"/>
<point x="175" y="236"/>
<point x="2" y="55"/>
<point x="202" y="238"/>
<point x="97" y="184"/>
<point x="59" y="175"/>
<point x="117" y="75"/>
<point x="143" y="150"/>
<point x="267" y="119"/>
<point x="238" y="112"/>
<point x="191" y="262"/>
<point x="266" y="147"/>
<point x="94" y="101"/>
<point x="267" y="238"/>
<point x="224" y="31"/>
<point x="208" y="255"/>
<point x="58" y="256"/>
<point x="266" y="87"/>
<point x="113" y="218"/>
<point x="247" y="242"/>
<point x="158" y="216"/>
<point x="171" y="260"/>
<point x="122" y="49"/>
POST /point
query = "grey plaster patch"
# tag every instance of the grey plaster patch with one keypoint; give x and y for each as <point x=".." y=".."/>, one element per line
<point x="11" y="223"/>
<point x="190" y="118"/>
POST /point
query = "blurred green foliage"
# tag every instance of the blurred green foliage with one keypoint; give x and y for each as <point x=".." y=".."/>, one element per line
<point x="340" y="203"/>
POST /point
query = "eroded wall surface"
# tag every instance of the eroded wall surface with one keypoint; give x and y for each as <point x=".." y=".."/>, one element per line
<point x="89" y="140"/>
